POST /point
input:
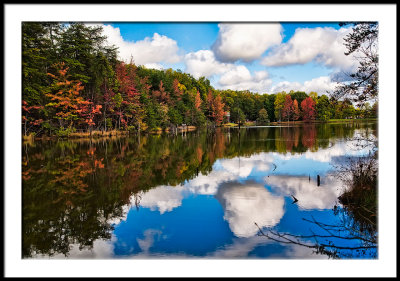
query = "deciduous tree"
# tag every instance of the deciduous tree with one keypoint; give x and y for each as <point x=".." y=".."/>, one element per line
<point x="323" y="108"/>
<point x="279" y="104"/>
<point x="296" y="111"/>
<point x="218" y="112"/>
<point x="308" y="109"/>
<point x="29" y="116"/>
<point x="287" y="110"/>
<point x="262" y="116"/>
<point x="65" y="97"/>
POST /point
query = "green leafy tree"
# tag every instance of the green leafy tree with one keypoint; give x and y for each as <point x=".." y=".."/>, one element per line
<point x="298" y="95"/>
<point x="262" y="116"/>
<point x="314" y="96"/>
<point x="270" y="107"/>
<point x="174" y="116"/>
<point x="237" y="116"/>
<point x="279" y="104"/>
<point x="374" y="112"/>
<point x="366" y="110"/>
<point x="348" y="110"/>
<point x="323" y="108"/>
<point x="248" y="105"/>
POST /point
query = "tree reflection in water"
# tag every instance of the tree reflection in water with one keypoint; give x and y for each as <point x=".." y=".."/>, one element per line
<point x="74" y="191"/>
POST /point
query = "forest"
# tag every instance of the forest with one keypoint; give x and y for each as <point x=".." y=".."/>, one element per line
<point x="72" y="82"/>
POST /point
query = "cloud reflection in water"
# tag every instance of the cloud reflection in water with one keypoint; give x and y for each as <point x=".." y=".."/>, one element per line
<point x="310" y="195"/>
<point x="162" y="198"/>
<point x="247" y="203"/>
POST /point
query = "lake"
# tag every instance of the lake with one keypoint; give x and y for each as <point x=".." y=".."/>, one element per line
<point x="204" y="194"/>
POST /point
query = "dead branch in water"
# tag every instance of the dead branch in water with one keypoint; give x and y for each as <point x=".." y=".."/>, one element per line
<point x="335" y="250"/>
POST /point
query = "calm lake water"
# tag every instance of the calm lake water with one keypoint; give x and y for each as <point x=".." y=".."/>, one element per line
<point x="194" y="195"/>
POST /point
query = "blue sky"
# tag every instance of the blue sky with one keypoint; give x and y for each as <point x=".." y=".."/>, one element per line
<point x="261" y="57"/>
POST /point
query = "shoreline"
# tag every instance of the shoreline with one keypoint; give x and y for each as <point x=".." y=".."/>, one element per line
<point x="181" y="129"/>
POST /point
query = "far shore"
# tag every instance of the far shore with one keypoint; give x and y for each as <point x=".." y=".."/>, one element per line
<point x="277" y="123"/>
<point x="97" y="134"/>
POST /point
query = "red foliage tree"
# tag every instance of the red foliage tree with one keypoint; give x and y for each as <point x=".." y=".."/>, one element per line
<point x="287" y="110"/>
<point x="178" y="92"/>
<point x="88" y="111"/>
<point x="308" y="107"/>
<point x="65" y="97"/>
<point x="218" y="112"/>
<point x="197" y="101"/>
<point x="127" y="99"/>
<point x="296" y="110"/>
<point x="28" y="116"/>
<point x="161" y="95"/>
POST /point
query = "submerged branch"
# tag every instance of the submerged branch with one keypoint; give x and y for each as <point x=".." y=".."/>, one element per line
<point x="331" y="249"/>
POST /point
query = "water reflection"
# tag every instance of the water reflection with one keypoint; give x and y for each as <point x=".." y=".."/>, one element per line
<point x="162" y="198"/>
<point x="193" y="195"/>
<point x="247" y="203"/>
<point x="308" y="193"/>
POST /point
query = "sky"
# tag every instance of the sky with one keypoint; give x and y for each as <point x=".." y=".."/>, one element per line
<point x="262" y="57"/>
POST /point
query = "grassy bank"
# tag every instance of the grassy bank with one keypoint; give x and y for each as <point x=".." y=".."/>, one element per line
<point x="230" y="125"/>
<point x="350" y="120"/>
<point x="96" y="134"/>
<point x="361" y="193"/>
<point x="105" y="134"/>
<point x="322" y="121"/>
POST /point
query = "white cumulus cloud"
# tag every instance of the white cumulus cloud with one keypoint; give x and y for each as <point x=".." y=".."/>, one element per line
<point x="321" y="85"/>
<point x="245" y="41"/>
<point x="322" y="45"/>
<point x="150" y="51"/>
<point x="204" y="63"/>
<point x="154" y="66"/>
<point x="233" y="77"/>
<point x="239" y="78"/>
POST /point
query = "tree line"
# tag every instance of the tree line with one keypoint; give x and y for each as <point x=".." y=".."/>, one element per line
<point x="73" y="81"/>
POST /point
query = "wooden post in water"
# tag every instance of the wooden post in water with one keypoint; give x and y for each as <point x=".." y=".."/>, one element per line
<point x="318" y="180"/>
